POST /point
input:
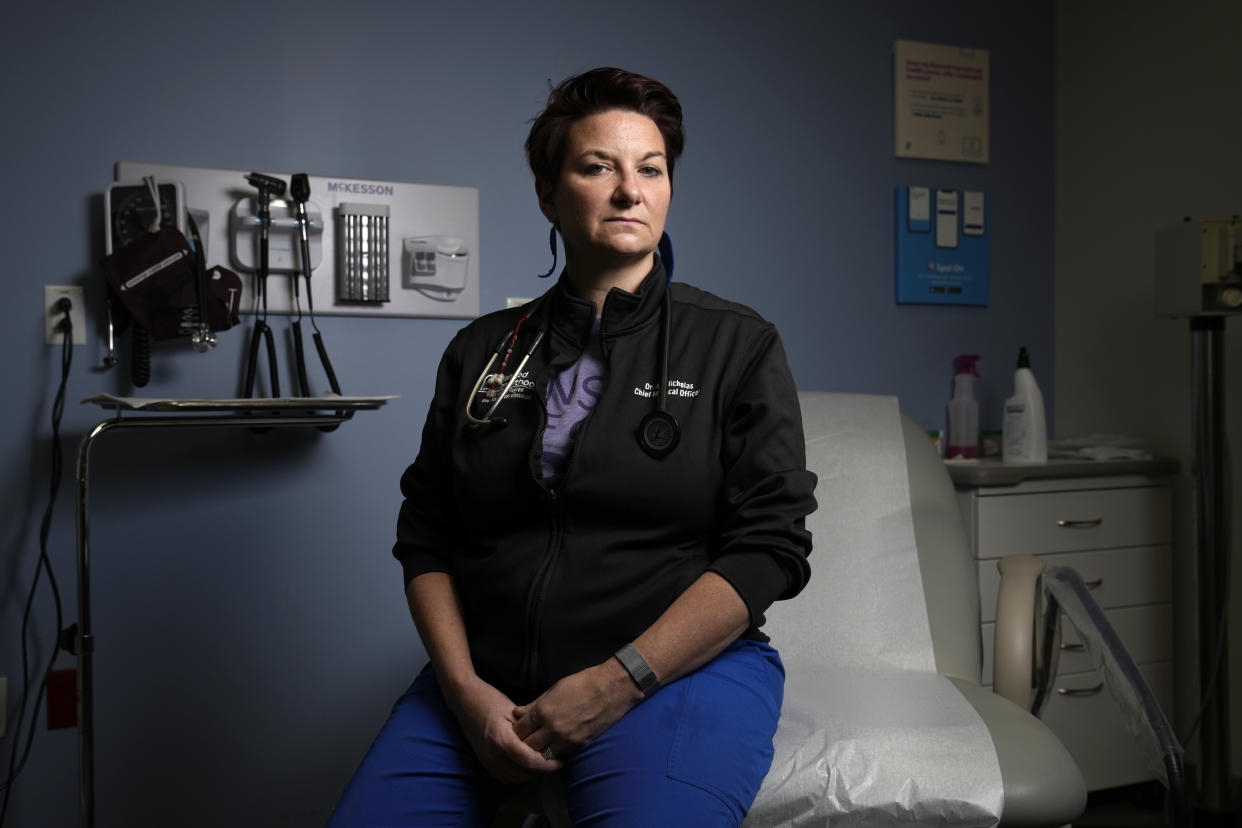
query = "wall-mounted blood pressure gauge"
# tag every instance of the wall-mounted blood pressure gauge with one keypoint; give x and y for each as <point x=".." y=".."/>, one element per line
<point x="129" y="210"/>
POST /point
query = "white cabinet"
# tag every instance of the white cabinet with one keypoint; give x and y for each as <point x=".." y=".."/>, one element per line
<point x="1115" y="531"/>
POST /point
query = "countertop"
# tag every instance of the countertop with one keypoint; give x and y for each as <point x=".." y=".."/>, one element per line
<point x="995" y="472"/>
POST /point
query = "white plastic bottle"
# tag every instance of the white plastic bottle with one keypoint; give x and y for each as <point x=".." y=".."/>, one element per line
<point x="963" y="410"/>
<point x="1025" y="438"/>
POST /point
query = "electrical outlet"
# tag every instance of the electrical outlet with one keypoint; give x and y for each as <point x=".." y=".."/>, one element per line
<point x="52" y="316"/>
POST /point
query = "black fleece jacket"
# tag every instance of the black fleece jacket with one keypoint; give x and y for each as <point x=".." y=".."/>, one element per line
<point x="553" y="581"/>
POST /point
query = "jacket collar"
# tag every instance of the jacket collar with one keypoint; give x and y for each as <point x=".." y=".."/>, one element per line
<point x="624" y="312"/>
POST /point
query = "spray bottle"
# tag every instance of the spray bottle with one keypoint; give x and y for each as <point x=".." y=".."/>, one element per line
<point x="964" y="409"/>
<point x="1026" y="431"/>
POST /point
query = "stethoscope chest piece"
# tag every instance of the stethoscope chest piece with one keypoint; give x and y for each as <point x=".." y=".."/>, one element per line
<point x="658" y="434"/>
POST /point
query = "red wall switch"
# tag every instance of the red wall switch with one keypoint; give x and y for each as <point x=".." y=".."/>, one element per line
<point x="62" y="699"/>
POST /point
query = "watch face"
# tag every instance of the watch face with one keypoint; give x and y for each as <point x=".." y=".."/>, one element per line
<point x="133" y="210"/>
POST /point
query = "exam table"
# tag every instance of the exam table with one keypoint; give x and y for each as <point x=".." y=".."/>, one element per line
<point x="885" y="720"/>
<point x="887" y="632"/>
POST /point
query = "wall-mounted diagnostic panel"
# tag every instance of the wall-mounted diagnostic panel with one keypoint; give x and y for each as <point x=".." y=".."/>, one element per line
<point x="376" y="248"/>
<point x="942" y="246"/>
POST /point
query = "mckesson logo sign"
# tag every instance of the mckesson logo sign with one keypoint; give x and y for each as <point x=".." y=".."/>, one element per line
<point x="359" y="188"/>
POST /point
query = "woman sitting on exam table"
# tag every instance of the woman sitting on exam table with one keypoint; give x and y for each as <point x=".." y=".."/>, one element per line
<point x="588" y="560"/>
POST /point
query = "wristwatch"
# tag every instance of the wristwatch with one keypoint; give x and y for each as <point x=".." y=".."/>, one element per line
<point x="639" y="669"/>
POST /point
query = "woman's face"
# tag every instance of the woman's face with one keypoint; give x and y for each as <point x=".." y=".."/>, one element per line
<point x="613" y="193"/>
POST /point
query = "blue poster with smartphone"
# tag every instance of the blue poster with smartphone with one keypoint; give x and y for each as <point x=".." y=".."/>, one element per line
<point x="943" y="243"/>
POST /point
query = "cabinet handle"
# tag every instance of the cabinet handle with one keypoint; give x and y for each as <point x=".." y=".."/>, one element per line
<point x="1073" y="648"/>
<point x="1094" y="583"/>
<point x="1080" y="524"/>
<point x="1074" y="692"/>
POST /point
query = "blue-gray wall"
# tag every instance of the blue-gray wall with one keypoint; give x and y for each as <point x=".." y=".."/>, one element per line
<point x="251" y="628"/>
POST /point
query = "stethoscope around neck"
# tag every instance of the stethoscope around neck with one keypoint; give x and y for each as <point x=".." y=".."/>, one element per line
<point x="658" y="433"/>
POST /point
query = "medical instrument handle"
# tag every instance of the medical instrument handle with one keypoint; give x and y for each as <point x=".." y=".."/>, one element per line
<point x="305" y="248"/>
<point x="327" y="363"/>
<point x="252" y="359"/>
<point x="300" y="357"/>
<point x="264" y="248"/>
<point x="264" y="332"/>
<point x="267" y="186"/>
<point x="300" y="190"/>
<point x="271" y="359"/>
<point x="1090" y="523"/>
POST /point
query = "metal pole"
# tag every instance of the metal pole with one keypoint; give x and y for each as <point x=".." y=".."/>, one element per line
<point x="85" y="643"/>
<point x="1212" y="539"/>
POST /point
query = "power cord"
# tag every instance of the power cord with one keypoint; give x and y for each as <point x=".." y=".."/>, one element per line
<point x="58" y="409"/>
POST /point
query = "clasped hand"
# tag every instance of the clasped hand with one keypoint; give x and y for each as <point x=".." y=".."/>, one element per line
<point x="577" y="709"/>
<point x="509" y="740"/>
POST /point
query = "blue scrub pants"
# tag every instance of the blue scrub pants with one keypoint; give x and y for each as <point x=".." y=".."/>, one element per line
<point x="692" y="754"/>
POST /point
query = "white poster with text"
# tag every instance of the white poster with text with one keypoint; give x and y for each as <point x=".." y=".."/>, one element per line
<point x="941" y="98"/>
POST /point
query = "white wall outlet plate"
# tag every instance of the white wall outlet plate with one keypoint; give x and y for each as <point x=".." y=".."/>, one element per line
<point x="52" y="316"/>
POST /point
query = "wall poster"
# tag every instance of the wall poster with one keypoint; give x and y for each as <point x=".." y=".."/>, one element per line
<point x="941" y="99"/>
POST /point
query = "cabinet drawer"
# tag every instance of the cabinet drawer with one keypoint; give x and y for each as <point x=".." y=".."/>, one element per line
<point x="1067" y="521"/>
<point x="1093" y="731"/>
<point x="1126" y="576"/>
<point x="1146" y="632"/>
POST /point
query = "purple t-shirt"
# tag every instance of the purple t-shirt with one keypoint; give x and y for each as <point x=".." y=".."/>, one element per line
<point x="571" y="396"/>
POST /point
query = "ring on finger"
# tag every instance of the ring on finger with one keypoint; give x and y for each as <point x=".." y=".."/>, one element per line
<point x="548" y="754"/>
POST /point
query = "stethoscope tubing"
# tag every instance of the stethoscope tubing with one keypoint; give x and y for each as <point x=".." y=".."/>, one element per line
<point x="658" y="433"/>
<point x="668" y="312"/>
<point x="487" y="417"/>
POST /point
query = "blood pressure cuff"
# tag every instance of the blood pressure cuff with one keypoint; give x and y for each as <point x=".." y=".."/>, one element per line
<point x="155" y="279"/>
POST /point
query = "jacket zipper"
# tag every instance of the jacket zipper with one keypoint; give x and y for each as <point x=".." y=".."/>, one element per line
<point x="534" y="603"/>
<point x="534" y="598"/>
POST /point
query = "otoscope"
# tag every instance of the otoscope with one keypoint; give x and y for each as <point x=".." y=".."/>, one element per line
<point x="267" y="186"/>
<point x="299" y="190"/>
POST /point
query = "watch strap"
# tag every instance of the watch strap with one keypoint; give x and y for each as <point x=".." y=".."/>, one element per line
<point x="638" y="668"/>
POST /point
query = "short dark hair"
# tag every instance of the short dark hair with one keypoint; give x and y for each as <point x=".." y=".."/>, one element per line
<point x="601" y="90"/>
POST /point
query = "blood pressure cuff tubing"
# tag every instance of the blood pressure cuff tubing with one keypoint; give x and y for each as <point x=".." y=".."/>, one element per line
<point x="154" y="279"/>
